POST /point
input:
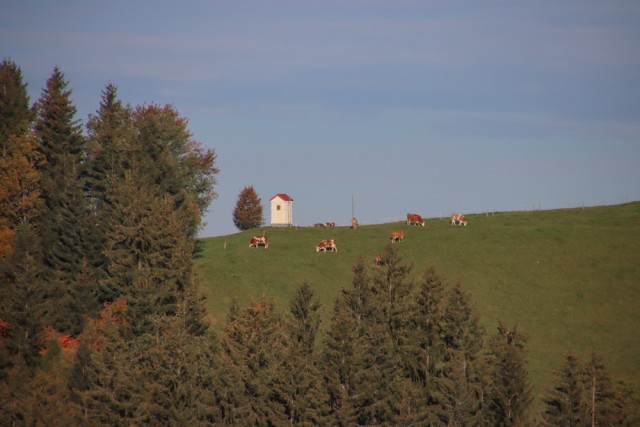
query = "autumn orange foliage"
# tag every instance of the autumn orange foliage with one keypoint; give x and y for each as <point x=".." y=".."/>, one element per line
<point x="114" y="313"/>
<point x="68" y="343"/>
<point x="6" y="235"/>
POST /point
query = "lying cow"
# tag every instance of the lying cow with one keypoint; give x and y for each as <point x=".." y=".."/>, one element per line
<point x="330" y="224"/>
<point x="458" y="219"/>
<point x="259" y="241"/>
<point x="327" y="245"/>
<point x="397" y="236"/>
<point x="415" y="219"/>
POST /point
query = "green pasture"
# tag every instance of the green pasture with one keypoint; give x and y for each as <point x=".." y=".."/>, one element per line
<point x="570" y="278"/>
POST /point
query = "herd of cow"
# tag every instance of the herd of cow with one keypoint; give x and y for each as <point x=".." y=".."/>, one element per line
<point x="330" y="244"/>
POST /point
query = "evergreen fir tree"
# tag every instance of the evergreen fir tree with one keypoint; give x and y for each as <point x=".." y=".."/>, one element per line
<point x="462" y="329"/>
<point x="148" y="252"/>
<point x="104" y="380"/>
<point x="66" y="232"/>
<point x="510" y="389"/>
<point x="22" y="297"/>
<point x="179" y="372"/>
<point x="457" y="395"/>
<point x="362" y="364"/>
<point x="600" y="399"/>
<point x="297" y="385"/>
<point x="429" y="350"/>
<point x="248" y="211"/>
<point x="109" y="134"/>
<point x="253" y="347"/>
<point x="43" y="399"/>
<point x="20" y="182"/>
<point x="462" y="377"/>
<point x="15" y="113"/>
<point x="19" y="179"/>
<point x="564" y="403"/>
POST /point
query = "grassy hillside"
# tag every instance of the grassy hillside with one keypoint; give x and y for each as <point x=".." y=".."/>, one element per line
<point x="569" y="278"/>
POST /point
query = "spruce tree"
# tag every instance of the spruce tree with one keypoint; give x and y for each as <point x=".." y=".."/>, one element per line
<point x="600" y="399"/>
<point x="297" y="384"/>
<point x="15" y="112"/>
<point x="179" y="373"/>
<point x="463" y="373"/>
<point x="68" y="238"/>
<point x="148" y="253"/>
<point x="429" y="350"/>
<point x="22" y="299"/>
<point x="109" y="131"/>
<point x="20" y="182"/>
<point x="253" y="347"/>
<point x="564" y="403"/>
<point x="345" y="344"/>
<point x="248" y="211"/>
<point x="510" y="389"/>
<point x="104" y="380"/>
<point x="362" y="364"/>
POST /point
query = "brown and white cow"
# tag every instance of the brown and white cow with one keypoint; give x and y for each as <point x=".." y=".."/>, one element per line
<point x="259" y="241"/>
<point x="354" y="223"/>
<point x="327" y="245"/>
<point x="379" y="260"/>
<point x="458" y="219"/>
<point x="415" y="219"/>
<point x="397" y="236"/>
<point x="330" y="224"/>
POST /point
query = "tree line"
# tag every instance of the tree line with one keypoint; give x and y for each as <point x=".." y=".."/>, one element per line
<point x="102" y="321"/>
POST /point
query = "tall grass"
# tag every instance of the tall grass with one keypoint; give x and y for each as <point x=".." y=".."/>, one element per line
<point x="569" y="278"/>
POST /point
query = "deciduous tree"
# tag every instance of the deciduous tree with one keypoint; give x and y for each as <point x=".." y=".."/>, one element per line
<point x="248" y="211"/>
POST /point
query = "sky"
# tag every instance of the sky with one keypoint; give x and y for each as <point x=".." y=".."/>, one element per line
<point x="383" y="107"/>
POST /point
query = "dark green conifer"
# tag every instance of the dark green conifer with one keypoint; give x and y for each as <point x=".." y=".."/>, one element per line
<point x="253" y="347"/>
<point x="510" y="389"/>
<point x="564" y="402"/>
<point x="22" y="298"/>
<point x="297" y="384"/>
<point x="15" y="113"/>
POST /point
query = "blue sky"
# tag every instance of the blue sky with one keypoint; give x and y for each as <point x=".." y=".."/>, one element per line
<point x="407" y="106"/>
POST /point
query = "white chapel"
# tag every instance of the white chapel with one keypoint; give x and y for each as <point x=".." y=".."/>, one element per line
<point x="281" y="210"/>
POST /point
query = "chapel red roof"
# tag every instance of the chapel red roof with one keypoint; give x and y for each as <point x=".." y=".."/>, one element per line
<point x="283" y="196"/>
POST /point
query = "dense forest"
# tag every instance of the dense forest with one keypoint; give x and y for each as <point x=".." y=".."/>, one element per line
<point x="102" y="321"/>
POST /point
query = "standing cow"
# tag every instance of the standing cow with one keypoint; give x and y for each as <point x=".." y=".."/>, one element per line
<point x="354" y="223"/>
<point x="415" y="219"/>
<point x="458" y="219"/>
<point x="257" y="241"/>
<point x="397" y="236"/>
<point x="327" y="245"/>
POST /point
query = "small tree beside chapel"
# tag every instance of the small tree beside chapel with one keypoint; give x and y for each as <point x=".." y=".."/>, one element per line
<point x="248" y="211"/>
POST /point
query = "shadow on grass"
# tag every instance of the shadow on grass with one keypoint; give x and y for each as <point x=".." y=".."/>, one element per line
<point x="198" y="249"/>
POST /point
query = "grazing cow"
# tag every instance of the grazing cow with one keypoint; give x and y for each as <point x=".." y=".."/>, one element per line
<point x="354" y="223"/>
<point x="259" y="241"/>
<point x="415" y="219"/>
<point x="327" y="245"/>
<point x="458" y="219"/>
<point x="330" y="224"/>
<point x="397" y="236"/>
